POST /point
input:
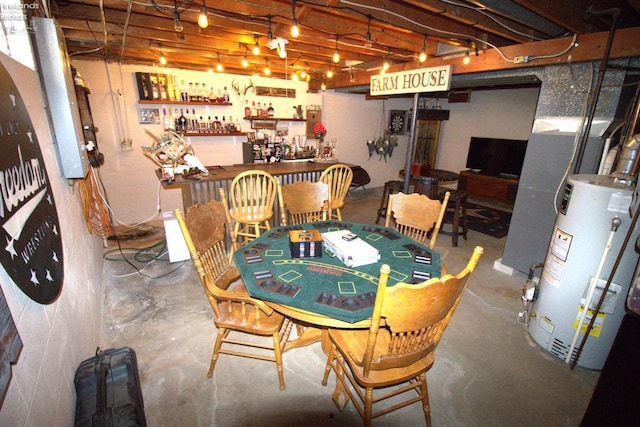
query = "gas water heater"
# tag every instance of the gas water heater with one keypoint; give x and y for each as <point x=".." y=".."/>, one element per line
<point x="590" y="228"/>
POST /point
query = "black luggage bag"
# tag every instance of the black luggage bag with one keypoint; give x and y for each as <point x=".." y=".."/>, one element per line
<point x="108" y="390"/>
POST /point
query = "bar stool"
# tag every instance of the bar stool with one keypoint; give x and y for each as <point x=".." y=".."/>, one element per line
<point x="457" y="215"/>
<point x="390" y="187"/>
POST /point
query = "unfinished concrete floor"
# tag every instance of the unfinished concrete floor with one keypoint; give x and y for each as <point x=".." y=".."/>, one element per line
<point x="488" y="371"/>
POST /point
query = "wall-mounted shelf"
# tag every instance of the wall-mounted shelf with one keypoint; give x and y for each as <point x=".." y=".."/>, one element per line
<point x="214" y="134"/>
<point x="170" y="102"/>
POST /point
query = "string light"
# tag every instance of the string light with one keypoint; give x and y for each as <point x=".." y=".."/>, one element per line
<point x="219" y="65"/>
<point x="336" y="55"/>
<point x="295" y="31"/>
<point x="367" y="38"/>
<point x="466" y="59"/>
<point x="163" y="60"/>
<point x="266" y="70"/>
<point x="177" y="24"/>
<point x="245" y="62"/>
<point x="423" y="54"/>
<point x="256" y="46"/>
<point x="329" y="74"/>
<point x="203" y="21"/>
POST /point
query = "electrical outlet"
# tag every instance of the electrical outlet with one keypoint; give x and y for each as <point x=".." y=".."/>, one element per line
<point x="521" y="59"/>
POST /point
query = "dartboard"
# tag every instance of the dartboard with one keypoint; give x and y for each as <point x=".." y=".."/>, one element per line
<point x="397" y="122"/>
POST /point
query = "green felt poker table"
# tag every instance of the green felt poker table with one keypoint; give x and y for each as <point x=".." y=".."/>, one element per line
<point x="323" y="290"/>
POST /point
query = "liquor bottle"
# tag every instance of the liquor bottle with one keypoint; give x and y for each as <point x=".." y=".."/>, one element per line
<point x="176" y="89"/>
<point x="212" y="95"/>
<point x="165" y="119"/>
<point x="237" y="127"/>
<point x="163" y="90"/>
<point x="183" y="122"/>
<point x="224" y="124"/>
<point x="184" y="94"/>
<point x="191" y="93"/>
<point x="225" y="95"/>
<point x="220" y="97"/>
<point x="254" y="110"/>
<point x="202" y="126"/>
<point x="205" y="93"/>
<point x="217" y="126"/>
<point x="259" y="110"/>
<point x="270" y="110"/>
<point x="171" y="124"/>
<point x="209" y="125"/>
<point x="154" y="89"/>
<point x="176" y="119"/>
<point x="196" y="92"/>
<point x="247" y="109"/>
<point x="194" y="121"/>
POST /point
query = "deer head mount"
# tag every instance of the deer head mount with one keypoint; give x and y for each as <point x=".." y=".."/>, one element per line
<point x="242" y="92"/>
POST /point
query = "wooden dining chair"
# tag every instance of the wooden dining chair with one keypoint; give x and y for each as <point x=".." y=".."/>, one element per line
<point x="341" y="177"/>
<point x="398" y="349"/>
<point x="252" y="195"/>
<point x="234" y="310"/>
<point x="304" y="201"/>
<point x="415" y="215"/>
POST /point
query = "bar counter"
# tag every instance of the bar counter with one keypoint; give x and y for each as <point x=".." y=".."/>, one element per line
<point x="208" y="187"/>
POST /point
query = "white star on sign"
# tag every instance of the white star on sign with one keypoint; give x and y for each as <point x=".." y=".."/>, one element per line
<point x="49" y="278"/>
<point x="9" y="248"/>
<point x="54" y="257"/>
<point x="34" y="279"/>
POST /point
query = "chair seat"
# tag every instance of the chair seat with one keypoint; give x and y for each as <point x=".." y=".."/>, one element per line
<point x="268" y="325"/>
<point x="254" y="215"/>
<point x="353" y="343"/>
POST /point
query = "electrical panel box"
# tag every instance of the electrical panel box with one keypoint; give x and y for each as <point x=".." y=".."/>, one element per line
<point x="55" y="75"/>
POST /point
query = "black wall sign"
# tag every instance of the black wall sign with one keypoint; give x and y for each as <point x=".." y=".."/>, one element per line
<point x="30" y="242"/>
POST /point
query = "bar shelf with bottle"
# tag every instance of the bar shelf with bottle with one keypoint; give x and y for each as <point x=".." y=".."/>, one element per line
<point x="172" y="102"/>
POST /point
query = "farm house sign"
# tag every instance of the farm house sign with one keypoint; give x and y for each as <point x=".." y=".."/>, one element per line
<point x="30" y="242"/>
<point x="433" y="79"/>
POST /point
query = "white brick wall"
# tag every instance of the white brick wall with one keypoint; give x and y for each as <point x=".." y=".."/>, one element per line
<point x="58" y="336"/>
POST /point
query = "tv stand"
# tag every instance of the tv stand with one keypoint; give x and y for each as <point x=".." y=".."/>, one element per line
<point x="495" y="188"/>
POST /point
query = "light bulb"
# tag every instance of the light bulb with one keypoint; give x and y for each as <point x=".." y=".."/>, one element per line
<point x="466" y="59"/>
<point x="336" y="56"/>
<point x="256" y="48"/>
<point x="245" y="63"/>
<point x="267" y="71"/>
<point x="177" y="24"/>
<point x="219" y="67"/>
<point x="203" y="21"/>
<point x="330" y="73"/>
<point x="295" y="31"/>
<point x="367" y="41"/>
<point x="163" y="60"/>
<point x="323" y="87"/>
<point x="422" y="57"/>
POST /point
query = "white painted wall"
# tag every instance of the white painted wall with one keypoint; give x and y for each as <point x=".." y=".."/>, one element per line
<point x="58" y="336"/>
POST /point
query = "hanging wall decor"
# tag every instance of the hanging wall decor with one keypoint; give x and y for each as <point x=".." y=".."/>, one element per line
<point x="31" y="245"/>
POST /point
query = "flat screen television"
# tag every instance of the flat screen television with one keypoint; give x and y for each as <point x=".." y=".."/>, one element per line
<point x="496" y="156"/>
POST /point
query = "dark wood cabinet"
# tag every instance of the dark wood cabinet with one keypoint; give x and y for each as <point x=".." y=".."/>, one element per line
<point x="495" y="188"/>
